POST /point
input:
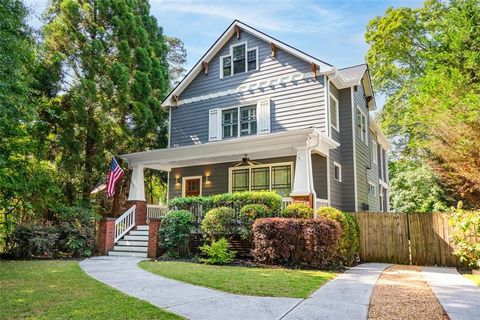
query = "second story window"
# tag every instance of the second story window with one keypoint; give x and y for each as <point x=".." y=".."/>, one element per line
<point x="231" y="122"/>
<point x="362" y="125"/>
<point x="334" y="117"/>
<point x="241" y="59"/>
<point x="374" y="152"/>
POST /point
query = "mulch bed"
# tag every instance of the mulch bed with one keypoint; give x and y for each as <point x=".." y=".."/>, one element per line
<point x="402" y="293"/>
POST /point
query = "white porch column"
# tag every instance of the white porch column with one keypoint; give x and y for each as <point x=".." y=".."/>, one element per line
<point x="137" y="185"/>
<point x="303" y="181"/>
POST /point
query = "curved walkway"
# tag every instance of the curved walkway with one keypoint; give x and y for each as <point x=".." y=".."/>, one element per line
<point x="345" y="297"/>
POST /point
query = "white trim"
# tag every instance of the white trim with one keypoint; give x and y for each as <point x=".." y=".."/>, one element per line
<point x="327" y="103"/>
<point x="221" y="65"/>
<point x="247" y="48"/>
<point x="354" y="150"/>
<point x="337" y="127"/>
<point x="169" y="128"/>
<point x="168" y="187"/>
<point x="269" y="165"/>
<point x="257" y="67"/>
<point x="218" y="45"/>
<point x="191" y="178"/>
<point x="329" y="196"/>
<point x="374" y="149"/>
<point x="365" y="137"/>
<point x="339" y="166"/>
<point x="238" y="107"/>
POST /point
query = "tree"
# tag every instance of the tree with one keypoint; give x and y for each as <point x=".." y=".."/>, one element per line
<point x="113" y="74"/>
<point x="415" y="188"/>
<point x="427" y="61"/>
<point x="177" y="58"/>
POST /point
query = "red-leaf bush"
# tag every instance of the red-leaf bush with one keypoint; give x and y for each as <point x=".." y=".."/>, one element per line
<point x="289" y="241"/>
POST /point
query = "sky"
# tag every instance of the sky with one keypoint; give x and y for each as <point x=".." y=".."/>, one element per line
<point x="332" y="31"/>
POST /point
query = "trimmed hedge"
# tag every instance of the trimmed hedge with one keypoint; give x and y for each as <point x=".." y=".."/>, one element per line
<point x="174" y="232"/>
<point x="219" y="222"/>
<point x="236" y="201"/>
<point x="349" y="245"/>
<point x="248" y="215"/>
<point x="287" y="241"/>
<point x="298" y="210"/>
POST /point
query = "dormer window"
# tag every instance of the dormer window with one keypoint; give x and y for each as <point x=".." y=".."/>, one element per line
<point x="241" y="59"/>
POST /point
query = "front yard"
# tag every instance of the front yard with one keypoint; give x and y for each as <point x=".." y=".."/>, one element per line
<point x="273" y="282"/>
<point x="60" y="290"/>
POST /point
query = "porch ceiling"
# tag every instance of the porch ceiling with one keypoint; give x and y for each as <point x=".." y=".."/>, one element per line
<point x="256" y="147"/>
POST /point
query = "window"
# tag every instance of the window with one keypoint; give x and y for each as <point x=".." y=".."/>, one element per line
<point x="334" y="117"/>
<point x="230" y="123"/>
<point x="374" y="152"/>
<point x="241" y="59"/>
<point x="248" y="120"/>
<point x="361" y="125"/>
<point x="372" y="189"/>
<point x="275" y="177"/>
<point x="337" y="171"/>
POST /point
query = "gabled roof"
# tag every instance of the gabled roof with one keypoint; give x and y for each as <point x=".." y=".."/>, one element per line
<point x="353" y="74"/>
<point x="218" y="45"/>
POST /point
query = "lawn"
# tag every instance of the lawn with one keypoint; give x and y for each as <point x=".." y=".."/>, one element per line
<point x="60" y="290"/>
<point x="474" y="277"/>
<point x="274" y="282"/>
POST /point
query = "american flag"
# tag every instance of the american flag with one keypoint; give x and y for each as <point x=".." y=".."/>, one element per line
<point x="113" y="177"/>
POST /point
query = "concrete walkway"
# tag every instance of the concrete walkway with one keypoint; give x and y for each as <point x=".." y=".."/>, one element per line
<point x="345" y="297"/>
<point x="459" y="296"/>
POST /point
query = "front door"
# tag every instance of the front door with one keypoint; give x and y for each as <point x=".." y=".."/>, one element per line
<point x="192" y="187"/>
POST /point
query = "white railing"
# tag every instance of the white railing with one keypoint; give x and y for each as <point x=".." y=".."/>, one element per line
<point x="321" y="203"/>
<point x="286" y="201"/>
<point x="124" y="223"/>
<point x="156" y="211"/>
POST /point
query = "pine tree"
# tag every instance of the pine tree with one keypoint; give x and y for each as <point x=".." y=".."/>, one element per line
<point x="114" y="75"/>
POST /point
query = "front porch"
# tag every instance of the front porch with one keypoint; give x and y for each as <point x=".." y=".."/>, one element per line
<point x="294" y="164"/>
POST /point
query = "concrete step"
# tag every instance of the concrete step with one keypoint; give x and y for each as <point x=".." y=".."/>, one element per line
<point x="132" y="243"/>
<point x="135" y="238"/>
<point x="142" y="227"/>
<point x="127" y="254"/>
<point x="138" y="233"/>
<point x="130" y="248"/>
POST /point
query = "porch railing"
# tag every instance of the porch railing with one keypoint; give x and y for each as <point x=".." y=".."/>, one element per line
<point x="286" y="201"/>
<point x="321" y="203"/>
<point x="125" y="223"/>
<point x="156" y="211"/>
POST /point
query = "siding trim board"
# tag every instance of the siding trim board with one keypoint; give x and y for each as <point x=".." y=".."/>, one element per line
<point x="354" y="150"/>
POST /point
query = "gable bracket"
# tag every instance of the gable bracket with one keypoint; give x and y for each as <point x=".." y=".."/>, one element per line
<point x="205" y="67"/>
<point x="314" y="69"/>
<point x="274" y="50"/>
<point x="176" y="99"/>
<point x="237" y="31"/>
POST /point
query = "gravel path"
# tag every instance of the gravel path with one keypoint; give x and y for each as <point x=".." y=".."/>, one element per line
<point x="402" y="293"/>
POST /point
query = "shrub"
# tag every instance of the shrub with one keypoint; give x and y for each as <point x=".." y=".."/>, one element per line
<point x="217" y="252"/>
<point x="310" y="242"/>
<point x="185" y="203"/>
<point x="76" y="230"/>
<point x="298" y="210"/>
<point x="248" y="215"/>
<point x="349" y="245"/>
<point x="219" y="222"/>
<point x="174" y="232"/>
<point x="238" y="200"/>
<point x="466" y="227"/>
<point x="30" y="240"/>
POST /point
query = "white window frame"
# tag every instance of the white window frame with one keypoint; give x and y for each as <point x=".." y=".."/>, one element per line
<point x="250" y="167"/>
<point x="382" y="208"/>
<point x="247" y="48"/>
<point x="372" y="186"/>
<point x="339" y="166"/>
<point x="238" y="107"/>
<point x="363" y="133"/>
<point x="374" y="151"/>
<point x="184" y="179"/>
<point x="337" y="120"/>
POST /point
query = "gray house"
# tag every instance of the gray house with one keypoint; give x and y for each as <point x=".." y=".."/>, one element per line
<point x="257" y="114"/>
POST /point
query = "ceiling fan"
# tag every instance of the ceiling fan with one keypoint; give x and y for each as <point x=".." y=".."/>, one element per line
<point x="247" y="162"/>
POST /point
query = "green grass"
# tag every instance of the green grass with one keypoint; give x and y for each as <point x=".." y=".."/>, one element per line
<point x="474" y="277"/>
<point x="61" y="290"/>
<point x="274" y="282"/>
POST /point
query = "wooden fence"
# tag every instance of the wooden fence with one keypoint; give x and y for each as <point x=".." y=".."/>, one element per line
<point x="416" y="238"/>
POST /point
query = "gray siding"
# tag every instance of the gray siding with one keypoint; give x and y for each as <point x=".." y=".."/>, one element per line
<point x="296" y="105"/>
<point x="218" y="173"/>
<point x="319" y="168"/>
<point x="361" y="151"/>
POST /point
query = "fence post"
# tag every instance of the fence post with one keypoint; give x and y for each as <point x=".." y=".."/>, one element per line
<point x="153" y="226"/>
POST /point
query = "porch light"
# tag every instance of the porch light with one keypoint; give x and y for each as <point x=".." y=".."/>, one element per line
<point x="177" y="180"/>
<point x="207" y="178"/>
